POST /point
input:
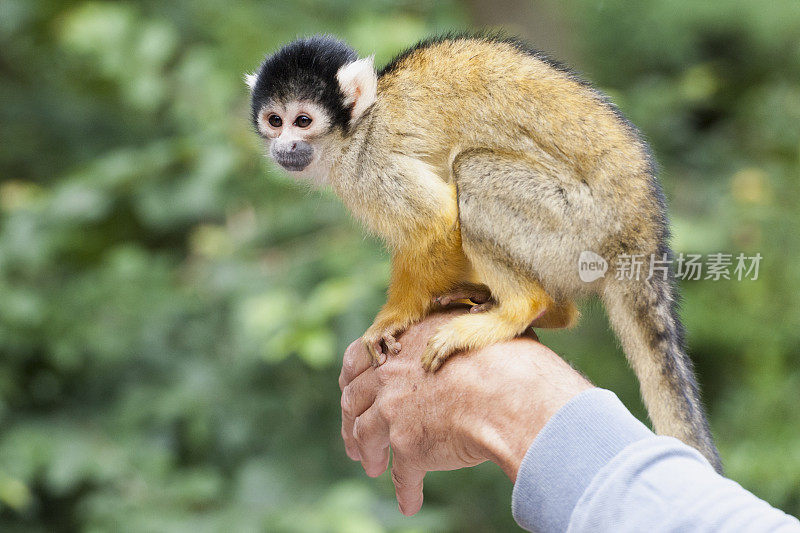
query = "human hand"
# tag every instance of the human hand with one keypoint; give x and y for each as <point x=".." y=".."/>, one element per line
<point x="487" y="405"/>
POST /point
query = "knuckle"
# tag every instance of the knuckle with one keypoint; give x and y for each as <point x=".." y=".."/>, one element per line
<point x="384" y="372"/>
<point x="352" y="350"/>
<point x="348" y="369"/>
<point x="358" y="431"/>
<point x="385" y="410"/>
<point x="388" y="406"/>
<point x="347" y="401"/>
<point x="398" y="478"/>
<point x="399" y="442"/>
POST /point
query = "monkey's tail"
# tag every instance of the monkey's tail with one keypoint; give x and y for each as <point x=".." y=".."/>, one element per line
<point x="644" y="316"/>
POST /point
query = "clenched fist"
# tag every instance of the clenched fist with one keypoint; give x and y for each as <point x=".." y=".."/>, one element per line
<point x="486" y="405"/>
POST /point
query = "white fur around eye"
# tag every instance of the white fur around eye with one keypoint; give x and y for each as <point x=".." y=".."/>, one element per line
<point x="263" y="118"/>
<point x="359" y="83"/>
<point x="320" y="120"/>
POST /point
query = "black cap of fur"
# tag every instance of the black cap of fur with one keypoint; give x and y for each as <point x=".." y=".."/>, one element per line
<point x="305" y="70"/>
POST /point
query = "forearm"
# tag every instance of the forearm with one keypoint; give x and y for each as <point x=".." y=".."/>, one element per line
<point x="594" y="467"/>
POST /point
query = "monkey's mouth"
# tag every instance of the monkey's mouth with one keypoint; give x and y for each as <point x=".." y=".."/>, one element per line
<point x="293" y="167"/>
<point x="294" y="161"/>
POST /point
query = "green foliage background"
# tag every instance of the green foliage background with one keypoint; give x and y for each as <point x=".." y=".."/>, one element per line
<point x="173" y="308"/>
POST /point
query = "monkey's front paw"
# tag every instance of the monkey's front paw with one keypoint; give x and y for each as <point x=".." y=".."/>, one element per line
<point x="441" y="346"/>
<point x="380" y="343"/>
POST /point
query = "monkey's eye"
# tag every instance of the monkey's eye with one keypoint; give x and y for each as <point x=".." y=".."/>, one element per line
<point x="274" y="121"/>
<point x="302" y="121"/>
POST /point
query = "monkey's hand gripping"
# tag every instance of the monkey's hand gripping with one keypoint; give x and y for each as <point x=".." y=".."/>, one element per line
<point x="380" y="338"/>
<point x="391" y="322"/>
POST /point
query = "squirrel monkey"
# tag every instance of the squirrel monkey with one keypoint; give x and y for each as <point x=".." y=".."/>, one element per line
<point x="488" y="170"/>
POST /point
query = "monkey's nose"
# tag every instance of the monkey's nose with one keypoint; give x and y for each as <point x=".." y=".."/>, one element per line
<point x="294" y="146"/>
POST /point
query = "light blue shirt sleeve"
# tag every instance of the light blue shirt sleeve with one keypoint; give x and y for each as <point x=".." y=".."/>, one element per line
<point x="595" y="467"/>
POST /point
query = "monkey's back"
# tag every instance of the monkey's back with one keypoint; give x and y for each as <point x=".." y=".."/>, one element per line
<point x="496" y="93"/>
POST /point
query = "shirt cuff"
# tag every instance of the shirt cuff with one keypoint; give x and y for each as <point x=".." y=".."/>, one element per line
<point x="581" y="438"/>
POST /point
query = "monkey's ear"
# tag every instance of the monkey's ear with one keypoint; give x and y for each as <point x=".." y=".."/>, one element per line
<point x="250" y="80"/>
<point x="359" y="83"/>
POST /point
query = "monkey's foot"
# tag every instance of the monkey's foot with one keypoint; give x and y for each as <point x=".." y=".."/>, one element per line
<point x="476" y="293"/>
<point x="465" y="332"/>
<point x="440" y="347"/>
<point x="474" y="331"/>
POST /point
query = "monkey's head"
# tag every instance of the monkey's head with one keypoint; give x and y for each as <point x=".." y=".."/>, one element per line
<point x="307" y="95"/>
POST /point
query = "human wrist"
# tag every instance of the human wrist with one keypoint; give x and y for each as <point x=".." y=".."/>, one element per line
<point x="504" y="440"/>
<point x="516" y="399"/>
<point x="504" y="448"/>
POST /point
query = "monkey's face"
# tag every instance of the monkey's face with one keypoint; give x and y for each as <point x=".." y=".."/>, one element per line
<point x="295" y="131"/>
<point x="306" y="97"/>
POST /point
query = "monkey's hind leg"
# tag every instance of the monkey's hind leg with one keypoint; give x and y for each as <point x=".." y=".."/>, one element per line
<point x="519" y="303"/>
<point x="560" y="315"/>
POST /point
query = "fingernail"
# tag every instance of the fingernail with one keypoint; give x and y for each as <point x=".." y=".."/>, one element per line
<point x="381" y="359"/>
